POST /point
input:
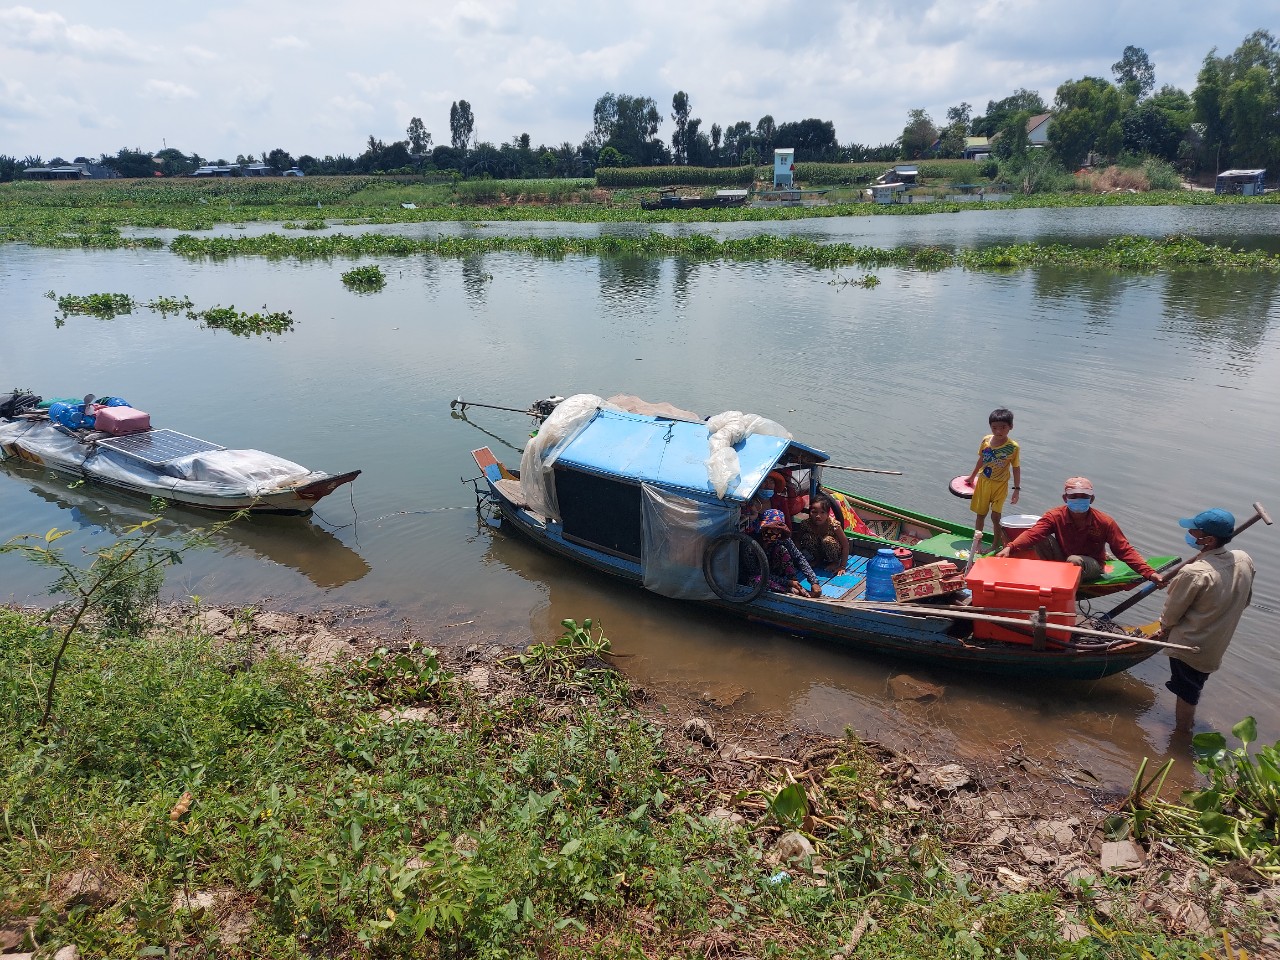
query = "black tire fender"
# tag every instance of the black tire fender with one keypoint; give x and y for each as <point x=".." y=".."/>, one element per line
<point x="713" y="550"/>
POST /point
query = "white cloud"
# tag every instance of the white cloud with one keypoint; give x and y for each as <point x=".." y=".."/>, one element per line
<point x="17" y="101"/>
<point x="288" y="43"/>
<point x="193" y="52"/>
<point x="350" y="106"/>
<point x="22" y="28"/>
<point x="372" y="85"/>
<point x="517" y="87"/>
<point x="168" y="90"/>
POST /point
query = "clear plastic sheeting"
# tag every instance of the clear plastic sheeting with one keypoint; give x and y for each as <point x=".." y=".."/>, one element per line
<point x="727" y="430"/>
<point x="624" y="401"/>
<point x="537" y="480"/>
<point x="42" y="441"/>
<point x="676" y="533"/>
<point x="256" y="472"/>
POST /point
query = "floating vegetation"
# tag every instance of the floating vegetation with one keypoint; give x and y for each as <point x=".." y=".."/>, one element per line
<point x="367" y="278"/>
<point x="108" y="305"/>
<point x="167" y="305"/>
<point x="867" y="281"/>
<point x="1120" y="253"/>
<point x="103" y="305"/>
<point x="244" y="324"/>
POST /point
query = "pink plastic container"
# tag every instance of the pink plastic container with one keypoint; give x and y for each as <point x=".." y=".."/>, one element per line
<point x="119" y="421"/>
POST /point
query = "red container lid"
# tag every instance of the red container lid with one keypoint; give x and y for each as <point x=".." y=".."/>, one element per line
<point x="1046" y="576"/>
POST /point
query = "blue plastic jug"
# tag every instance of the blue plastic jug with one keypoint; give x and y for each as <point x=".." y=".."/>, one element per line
<point x="880" y="571"/>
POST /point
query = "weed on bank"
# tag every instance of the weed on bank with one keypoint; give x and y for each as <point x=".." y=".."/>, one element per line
<point x="193" y="798"/>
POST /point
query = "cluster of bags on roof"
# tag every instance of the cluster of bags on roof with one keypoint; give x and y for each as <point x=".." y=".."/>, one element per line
<point x="16" y="402"/>
<point x="111" y="415"/>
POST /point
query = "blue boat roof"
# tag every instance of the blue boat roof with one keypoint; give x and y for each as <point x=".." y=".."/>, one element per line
<point x="670" y="453"/>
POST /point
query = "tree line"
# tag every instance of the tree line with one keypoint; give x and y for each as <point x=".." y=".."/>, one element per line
<point x="1231" y="118"/>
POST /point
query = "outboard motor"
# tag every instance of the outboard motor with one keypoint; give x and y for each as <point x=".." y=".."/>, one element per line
<point x="544" y="408"/>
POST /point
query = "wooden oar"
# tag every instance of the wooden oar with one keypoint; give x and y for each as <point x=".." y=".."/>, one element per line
<point x="1149" y="587"/>
<point x="1016" y="622"/>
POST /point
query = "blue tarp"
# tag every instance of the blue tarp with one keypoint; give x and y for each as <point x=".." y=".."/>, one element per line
<point x="668" y="453"/>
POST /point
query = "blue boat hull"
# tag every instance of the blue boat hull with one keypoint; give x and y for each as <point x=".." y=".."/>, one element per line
<point x="933" y="640"/>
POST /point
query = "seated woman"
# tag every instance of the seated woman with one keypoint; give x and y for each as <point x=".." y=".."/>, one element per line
<point x="785" y="558"/>
<point x="749" y="517"/>
<point x="821" y="538"/>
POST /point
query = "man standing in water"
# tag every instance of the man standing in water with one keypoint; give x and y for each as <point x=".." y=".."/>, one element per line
<point x="1205" y="601"/>
<point x="1076" y="533"/>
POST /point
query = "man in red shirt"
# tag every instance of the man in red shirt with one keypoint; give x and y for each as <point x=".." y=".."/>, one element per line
<point x="1076" y="533"/>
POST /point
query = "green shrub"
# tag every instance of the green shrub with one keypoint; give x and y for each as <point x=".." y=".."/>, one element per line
<point x="1162" y="175"/>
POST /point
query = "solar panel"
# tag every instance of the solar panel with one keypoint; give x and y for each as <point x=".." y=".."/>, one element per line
<point x="157" y="447"/>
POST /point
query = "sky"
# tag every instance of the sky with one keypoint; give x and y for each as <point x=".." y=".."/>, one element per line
<point x="230" y="77"/>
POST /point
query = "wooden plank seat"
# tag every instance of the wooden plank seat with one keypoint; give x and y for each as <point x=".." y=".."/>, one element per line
<point x="511" y="489"/>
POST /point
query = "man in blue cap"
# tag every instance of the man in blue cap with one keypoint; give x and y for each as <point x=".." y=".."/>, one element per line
<point x="1205" y="600"/>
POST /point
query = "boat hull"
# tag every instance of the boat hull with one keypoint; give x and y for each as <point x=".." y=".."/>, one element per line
<point x="926" y="639"/>
<point x="291" y="499"/>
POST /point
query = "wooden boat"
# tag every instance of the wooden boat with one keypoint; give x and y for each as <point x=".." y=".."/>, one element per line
<point x="632" y="495"/>
<point x="674" y="201"/>
<point x="173" y="466"/>
<point x="932" y="538"/>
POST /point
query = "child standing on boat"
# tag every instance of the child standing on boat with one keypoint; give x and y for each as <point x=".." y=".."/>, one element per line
<point x="997" y="457"/>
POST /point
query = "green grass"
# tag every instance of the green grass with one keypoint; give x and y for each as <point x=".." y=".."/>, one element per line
<point x="554" y="822"/>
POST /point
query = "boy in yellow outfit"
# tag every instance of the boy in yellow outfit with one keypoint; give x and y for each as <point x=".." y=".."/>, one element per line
<point x="997" y="456"/>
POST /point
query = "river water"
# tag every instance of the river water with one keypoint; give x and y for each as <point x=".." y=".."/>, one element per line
<point x="1161" y="388"/>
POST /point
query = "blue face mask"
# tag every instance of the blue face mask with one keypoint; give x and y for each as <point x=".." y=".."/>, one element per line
<point x="767" y="494"/>
<point x="1078" y="506"/>
<point x="1192" y="541"/>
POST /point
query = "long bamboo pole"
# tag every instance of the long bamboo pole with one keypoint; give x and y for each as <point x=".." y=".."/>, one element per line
<point x="919" y="610"/>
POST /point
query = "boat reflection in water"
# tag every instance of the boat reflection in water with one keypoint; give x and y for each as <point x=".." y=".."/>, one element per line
<point x="293" y="542"/>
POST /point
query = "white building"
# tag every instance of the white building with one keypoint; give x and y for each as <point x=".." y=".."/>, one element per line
<point x="784" y="167"/>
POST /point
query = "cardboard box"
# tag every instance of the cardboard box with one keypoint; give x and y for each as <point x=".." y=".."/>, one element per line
<point x="928" y="571"/>
<point x="923" y="589"/>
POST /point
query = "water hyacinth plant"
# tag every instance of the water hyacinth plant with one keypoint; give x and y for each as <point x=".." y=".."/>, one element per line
<point x="108" y="305"/>
<point x="244" y="324"/>
<point x="367" y="278"/>
<point x="1237" y="816"/>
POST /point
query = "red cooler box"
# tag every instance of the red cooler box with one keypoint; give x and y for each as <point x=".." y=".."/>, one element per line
<point x="119" y="421"/>
<point x="1016" y="585"/>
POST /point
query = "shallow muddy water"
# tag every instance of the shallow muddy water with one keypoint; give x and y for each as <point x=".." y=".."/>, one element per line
<point x="1163" y="389"/>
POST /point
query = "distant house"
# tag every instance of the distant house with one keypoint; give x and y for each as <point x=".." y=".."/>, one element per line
<point x="900" y="173"/>
<point x="1246" y="183"/>
<point x="67" y="171"/>
<point x="293" y="172"/>
<point x="259" y="170"/>
<point x="1038" y="130"/>
<point x="213" y="170"/>
<point x="977" y="148"/>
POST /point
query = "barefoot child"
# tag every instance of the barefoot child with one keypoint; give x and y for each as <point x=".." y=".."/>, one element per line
<point x="997" y="455"/>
